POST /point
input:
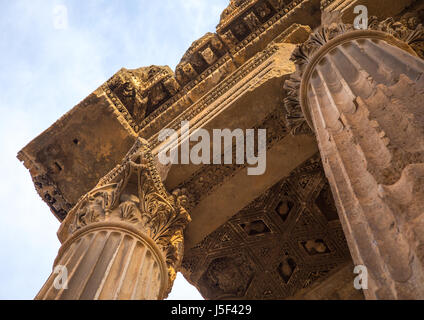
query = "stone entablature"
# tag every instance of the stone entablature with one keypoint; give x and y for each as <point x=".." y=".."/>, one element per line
<point x="361" y="91"/>
<point x="125" y="86"/>
<point x="141" y="102"/>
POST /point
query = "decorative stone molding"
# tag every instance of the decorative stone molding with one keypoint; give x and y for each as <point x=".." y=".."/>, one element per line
<point x="335" y="4"/>
<point x="234" y="8"/>
<point x="331" y="36"/>
<point x="52" y="191"/>
<point x="204" y="181"/>
<point x="130" y="203"/>
<point x="272" y="13"/>
<point x="241" y="24"/>
<point x="141" y="102"/>
<point x="201" y="55"/>
<point x="124" y="238"/>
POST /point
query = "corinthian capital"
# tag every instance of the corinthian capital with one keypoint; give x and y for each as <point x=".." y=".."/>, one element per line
<point x="132" y="197"/>
<point x="333" y="33"/>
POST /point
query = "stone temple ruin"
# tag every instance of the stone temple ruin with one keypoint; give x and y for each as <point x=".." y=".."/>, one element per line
<point x="344" y="179"/>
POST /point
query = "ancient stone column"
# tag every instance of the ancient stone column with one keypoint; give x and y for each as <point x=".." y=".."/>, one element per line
<point x="362" y="93"/>
<point x="123" y="239"/>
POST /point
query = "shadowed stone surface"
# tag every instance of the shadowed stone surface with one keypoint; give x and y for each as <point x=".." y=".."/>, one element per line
<point x="297" y="69"/>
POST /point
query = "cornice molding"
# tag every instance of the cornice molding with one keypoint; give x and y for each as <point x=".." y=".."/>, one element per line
<point x="259" y="62"/>
<point x="132" y="196"/>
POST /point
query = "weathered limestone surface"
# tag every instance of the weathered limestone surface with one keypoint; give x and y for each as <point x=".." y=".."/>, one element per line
<point x="254" y="102"/>
<point x="68" y="159"/>
<point x="336" y="286"/>
<point x="109" y="262"/>
<point x="362" y="92"/>
<point x="123" y="239"/>
<point x="270" y="236"/>
<point x="379" y="8"/>
<point x="282" y="243"/>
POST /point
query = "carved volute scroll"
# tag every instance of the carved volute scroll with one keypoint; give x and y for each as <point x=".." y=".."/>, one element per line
<point x="129" y="204"/>
<point x="361" y="91"/>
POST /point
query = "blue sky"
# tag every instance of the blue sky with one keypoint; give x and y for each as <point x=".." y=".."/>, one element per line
<point x="45" y="70"/>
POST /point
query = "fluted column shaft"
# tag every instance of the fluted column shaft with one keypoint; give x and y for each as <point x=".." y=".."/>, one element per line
<point x="110" y="263"/>
<point x="362" y="92"/>
<point x="123" y="239"/>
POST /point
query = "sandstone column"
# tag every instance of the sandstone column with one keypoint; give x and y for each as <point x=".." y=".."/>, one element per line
<point x="362" y="93"/>
<point x="123" y="239"/>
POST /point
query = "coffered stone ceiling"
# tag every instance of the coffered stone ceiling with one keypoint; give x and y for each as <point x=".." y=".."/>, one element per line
<point x="284" y="241"/>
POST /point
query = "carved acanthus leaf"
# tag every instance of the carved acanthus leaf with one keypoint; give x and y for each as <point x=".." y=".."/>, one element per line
<point x="130" y="212"/>
<point x="306" y="51"/>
